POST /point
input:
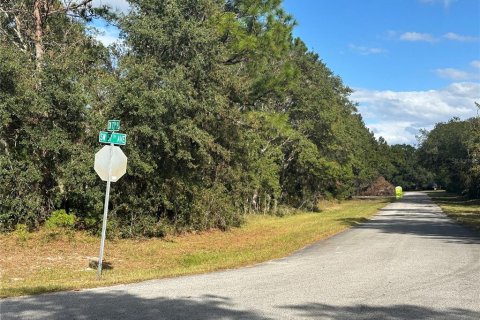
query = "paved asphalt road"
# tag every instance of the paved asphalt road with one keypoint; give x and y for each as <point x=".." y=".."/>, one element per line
<point x="409" y="262"/>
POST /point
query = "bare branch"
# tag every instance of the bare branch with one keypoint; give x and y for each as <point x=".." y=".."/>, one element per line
<point x="6" y="11"/>
<point x="70" y="6"/>
<point x="21" y="45"/>
<point x="18" y="27"/>
<point x="21" y="48"/>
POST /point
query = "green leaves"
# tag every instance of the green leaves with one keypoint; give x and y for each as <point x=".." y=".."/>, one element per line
<point x="46" y="117"/>
<point x="450" y="150"/>
<point x="225" y="112"/>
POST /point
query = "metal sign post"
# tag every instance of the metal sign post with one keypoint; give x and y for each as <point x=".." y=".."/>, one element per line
<point x="115" y="161"/>
<point x="105" y="212"/>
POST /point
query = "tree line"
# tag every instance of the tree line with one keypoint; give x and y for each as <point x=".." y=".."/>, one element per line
<point x="452" y="152"/>
<point x="226" y="114"/>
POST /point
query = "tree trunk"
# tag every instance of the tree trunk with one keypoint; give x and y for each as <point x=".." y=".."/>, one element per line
<point x="39" y="49"/>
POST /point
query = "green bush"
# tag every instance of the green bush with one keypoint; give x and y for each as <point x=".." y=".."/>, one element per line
<point x="283" y="211"/>
<point x="60" y="219"/>
<point x="21" y="232"/>
<point x="148" y="226"/>
<point x="60" y="223"/>
<point x="213" y="208"/>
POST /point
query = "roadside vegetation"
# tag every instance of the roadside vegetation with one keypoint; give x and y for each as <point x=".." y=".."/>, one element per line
<point x="228" y="116"/>
<point x="451" y="152"/>
<point x="33" y="263"/>
<point x="226" y="112"/>
<point x="462" y="209"/>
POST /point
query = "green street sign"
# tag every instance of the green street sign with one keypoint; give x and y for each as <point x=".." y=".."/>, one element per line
<point x="112" y="137"/>
<point x="113" y="125"/>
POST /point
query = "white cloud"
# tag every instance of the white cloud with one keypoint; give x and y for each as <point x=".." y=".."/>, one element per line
<point x="454" y="74"/>
<point x="417" y="36"/>
<point x="394" y="132"/>
<point x="427" y="37"/>
<point x="118" y="5"/>
<point x="446" y="3"/>
<point x="475" y="64"/>
<point x="104" y="32"/>
<point x="397" y="116"/>
<point x="363" y="50"/>
<point x="461" y="38"/>
<point x="107" y="39"/>
<point x="460" y="75"/>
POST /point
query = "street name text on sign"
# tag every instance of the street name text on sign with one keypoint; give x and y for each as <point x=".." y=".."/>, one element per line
<point x="112" y="137"/>
<point x="110" y="164"/>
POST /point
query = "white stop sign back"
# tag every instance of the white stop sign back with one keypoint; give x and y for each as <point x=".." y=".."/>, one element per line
<point x="119" y="163"/>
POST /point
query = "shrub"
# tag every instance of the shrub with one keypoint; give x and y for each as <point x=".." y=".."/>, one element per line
<point x="60" y="223"/>
<point x="148" y="226"/>
<point x="60" y="219"/>
<point x="213" y="208"/>
<point x="21" y="233"/>
<point x="283" y="211"/>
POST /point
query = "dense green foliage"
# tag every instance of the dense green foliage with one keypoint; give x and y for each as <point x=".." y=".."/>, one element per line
<point x="225" y="111"/>
<point x="402" y="167"/>
<point x="49" y="115"/>
<point x="452" y="151"/>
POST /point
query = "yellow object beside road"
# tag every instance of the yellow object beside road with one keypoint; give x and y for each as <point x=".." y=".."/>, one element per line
<point x="398" y="192"/>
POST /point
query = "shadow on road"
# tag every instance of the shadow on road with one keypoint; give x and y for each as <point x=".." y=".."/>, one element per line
<point x="394" y="312"/>
<point x="121" y="305"/>
<point x="442" y="230"/>
<point x="422" y="221"/>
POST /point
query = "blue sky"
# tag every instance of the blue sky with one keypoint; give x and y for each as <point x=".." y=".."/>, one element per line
<point x="411" y="63"/>
<point x="390" y="44"/>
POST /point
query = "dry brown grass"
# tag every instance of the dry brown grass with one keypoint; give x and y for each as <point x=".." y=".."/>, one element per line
<point x="35" y="264"/>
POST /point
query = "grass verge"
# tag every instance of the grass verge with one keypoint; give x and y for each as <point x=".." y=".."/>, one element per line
<point x="32" y="264"/>
<point x="465" y="211"/>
